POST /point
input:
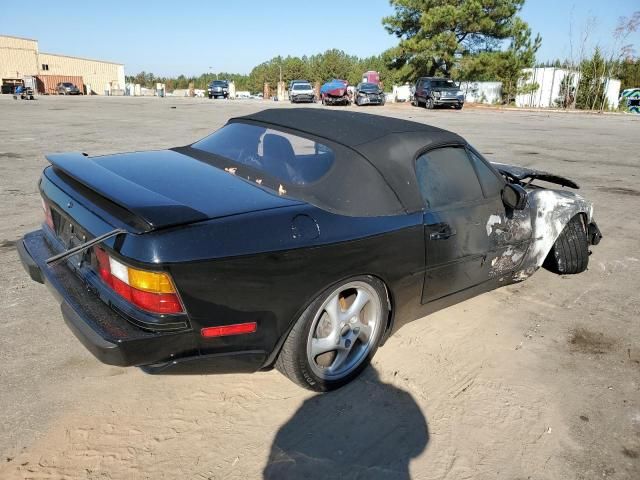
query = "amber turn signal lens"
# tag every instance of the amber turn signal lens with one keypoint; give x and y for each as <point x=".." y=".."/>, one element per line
<point x="150" y="281"/>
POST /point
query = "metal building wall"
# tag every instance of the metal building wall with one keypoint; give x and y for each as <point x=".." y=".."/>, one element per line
<point x="99" y="76"/>
<point x="549" y="80"/>
<point x="482" y="92"/>
<point x="18" y="57"/>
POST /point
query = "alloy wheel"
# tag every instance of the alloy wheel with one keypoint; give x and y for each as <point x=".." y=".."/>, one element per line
<point x="344" y="330"/>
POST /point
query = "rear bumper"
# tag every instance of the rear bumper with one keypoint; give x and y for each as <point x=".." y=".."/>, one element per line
<point x="105" y="333"/>
<point x="114" y="340"/>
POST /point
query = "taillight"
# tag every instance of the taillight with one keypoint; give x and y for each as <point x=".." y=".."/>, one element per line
<point x="48" y="218"/>
<point x="151" y="291"/>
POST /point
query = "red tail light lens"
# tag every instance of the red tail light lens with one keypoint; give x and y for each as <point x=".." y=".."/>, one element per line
<point x="150" y="291"/>
<point x="48" y="217"/>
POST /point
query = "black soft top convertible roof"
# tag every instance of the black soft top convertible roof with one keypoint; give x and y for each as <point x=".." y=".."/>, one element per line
<point x="388" y="144"/>
<point x="351" y="129"/>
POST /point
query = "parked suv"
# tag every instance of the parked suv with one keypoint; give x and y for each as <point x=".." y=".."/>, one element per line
<point x="218" y="88"/>
<point x="301" y="92"/>
<point x="67" y="88"/>
<point x="431" y="92"/>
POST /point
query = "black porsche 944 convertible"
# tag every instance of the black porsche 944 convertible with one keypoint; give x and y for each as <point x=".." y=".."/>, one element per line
<point x="299" y="239"/>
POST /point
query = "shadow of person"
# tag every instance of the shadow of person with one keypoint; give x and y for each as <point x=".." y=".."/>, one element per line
<point x="365" y="430"/>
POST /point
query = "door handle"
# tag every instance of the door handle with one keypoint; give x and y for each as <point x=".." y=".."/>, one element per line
<point x="443" y="233"/>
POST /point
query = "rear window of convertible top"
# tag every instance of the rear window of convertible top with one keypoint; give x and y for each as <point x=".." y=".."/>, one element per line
<point x="289" y="158"/>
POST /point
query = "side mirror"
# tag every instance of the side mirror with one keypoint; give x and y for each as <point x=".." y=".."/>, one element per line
<point x="514" y="196"/>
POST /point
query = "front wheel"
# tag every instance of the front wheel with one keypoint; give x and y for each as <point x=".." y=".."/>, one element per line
<point x="336" y="336"/>
<point x="570" y="253"/>
<point x="428" y="103"/>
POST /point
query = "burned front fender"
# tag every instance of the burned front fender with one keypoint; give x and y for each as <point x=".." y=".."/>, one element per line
<point x="551" y="210"/>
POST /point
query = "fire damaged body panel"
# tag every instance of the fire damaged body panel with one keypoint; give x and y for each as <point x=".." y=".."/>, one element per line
<point x="250" y="230"/>
<point x="551" y="211"/>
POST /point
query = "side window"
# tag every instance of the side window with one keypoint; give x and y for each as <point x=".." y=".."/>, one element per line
<point x="446" y="177"/>
<point x="491" y="183"/>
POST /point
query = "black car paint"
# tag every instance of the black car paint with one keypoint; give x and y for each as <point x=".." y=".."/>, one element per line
<point x="249" y="266"/>
<point x="262" y="259"/>
<point x="146" y="183"/>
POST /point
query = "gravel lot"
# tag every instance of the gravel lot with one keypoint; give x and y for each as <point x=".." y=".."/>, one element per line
<point x="539" y="380"/>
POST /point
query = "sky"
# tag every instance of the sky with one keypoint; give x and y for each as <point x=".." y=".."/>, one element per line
<point x="170" y="38"/>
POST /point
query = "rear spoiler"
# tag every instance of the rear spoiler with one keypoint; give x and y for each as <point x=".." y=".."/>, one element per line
<point x="513" y="172"/>
<point x="152" y="209"/>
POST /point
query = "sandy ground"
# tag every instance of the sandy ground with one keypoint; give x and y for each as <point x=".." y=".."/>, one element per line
<point x="538" y="380"/>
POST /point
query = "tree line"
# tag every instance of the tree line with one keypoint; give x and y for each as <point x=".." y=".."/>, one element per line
<point x="333" y="63"/>
<point x="473" y="40"/>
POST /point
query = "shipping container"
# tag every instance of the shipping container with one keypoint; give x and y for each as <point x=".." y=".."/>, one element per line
<point x="47" y="83"/>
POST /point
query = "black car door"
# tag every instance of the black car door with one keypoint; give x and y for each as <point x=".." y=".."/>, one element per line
<point x="459" y="245"/>
<point x="509" y="231"/>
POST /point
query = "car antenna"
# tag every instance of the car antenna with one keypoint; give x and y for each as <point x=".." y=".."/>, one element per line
<point x="82" y="247"/>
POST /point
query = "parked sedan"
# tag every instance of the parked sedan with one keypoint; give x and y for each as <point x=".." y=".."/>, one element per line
<point x="369" y="94"/>
<point x="294" y="238"/>
<point x="67" y="88"/>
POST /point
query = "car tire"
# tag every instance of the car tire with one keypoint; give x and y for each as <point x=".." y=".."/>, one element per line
<point x="354" y="346"/>
<point x="210" y="97"/>
<point x="459" y="107"/>
<point x="570" y="252"/>
<point x="428" y="103"/>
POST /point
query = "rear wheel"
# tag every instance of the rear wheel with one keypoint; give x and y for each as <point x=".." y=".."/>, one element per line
<point x="570" y="253"/>
<point x="336" y="336"/>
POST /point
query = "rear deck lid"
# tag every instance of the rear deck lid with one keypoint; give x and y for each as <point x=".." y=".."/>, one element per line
<point x="165" y="188"/>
